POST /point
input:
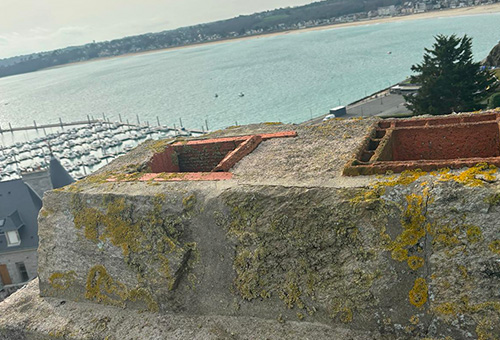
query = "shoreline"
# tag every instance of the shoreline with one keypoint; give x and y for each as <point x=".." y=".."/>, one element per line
<point x="456" y="12"/>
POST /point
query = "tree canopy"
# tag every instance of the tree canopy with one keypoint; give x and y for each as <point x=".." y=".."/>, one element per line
<point x="450" y="80"/>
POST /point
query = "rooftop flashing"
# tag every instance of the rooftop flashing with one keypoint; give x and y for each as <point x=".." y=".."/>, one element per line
<point x="428" y="144"/>
<point x="202" y="160"/>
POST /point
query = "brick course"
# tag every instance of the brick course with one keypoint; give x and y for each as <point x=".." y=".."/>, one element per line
<point x="428" y="144"/>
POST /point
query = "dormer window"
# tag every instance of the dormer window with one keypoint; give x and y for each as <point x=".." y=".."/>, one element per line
<point x="13" y="238"/>
<point x="9" y="226"/>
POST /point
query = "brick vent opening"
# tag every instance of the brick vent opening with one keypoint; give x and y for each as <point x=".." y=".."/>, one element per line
<point x="212" y="155"/>
<point x="201" y="160"/>
<point x="428" y="144"/>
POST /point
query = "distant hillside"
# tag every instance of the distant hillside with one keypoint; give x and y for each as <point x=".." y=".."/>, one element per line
<point x="315" y="14"/>
<point x="493" y="59"/>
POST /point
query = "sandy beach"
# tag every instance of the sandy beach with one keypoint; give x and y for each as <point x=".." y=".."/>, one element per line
<point x="486" y="9"/>
<point x="476" y="10"/>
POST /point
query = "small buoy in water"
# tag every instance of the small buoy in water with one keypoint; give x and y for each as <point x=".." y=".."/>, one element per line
<point x="389" y="52"/>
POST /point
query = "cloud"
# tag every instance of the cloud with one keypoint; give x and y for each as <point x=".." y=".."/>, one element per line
<point x="71" y="30"/>
<point x="38" y="31"/>
<point x="3" y="41"/>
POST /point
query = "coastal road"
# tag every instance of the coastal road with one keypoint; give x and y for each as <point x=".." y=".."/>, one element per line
<point x="382" y="104"/>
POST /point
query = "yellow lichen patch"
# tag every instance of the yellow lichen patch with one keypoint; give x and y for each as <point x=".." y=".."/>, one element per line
<point x="415" y="262"/>
<point x="118" y="231"/>
<point x="277" y="252"/>
<point x="445" y="235"/>
<point x="463" y="271"/>
<point x="495" y="246"/>
<point x="103" y="288"/>
<point x="485" y="330"/>
<point x="249" y="284"/>
<point x="418" y="294"/>
<point x="290" y="294"/>
<point x="62" y="280"/>
<point x="463" y="306"/>
<point x="378" y="188"/>
<point x="488" y="305"/>
<point x="414" y="224"/>
<point x="150" y="243"/>
<point x="367" y="196"/>
<point x="137" y="294"/>
<point x="405" y="178"/>
<point x="474" y="234"/>
<point x="127" y="177"/>
<point x="346" y="315"/>
<point x="447" y="308"/>
<point x="86" y="182"/>
<point x="414" y="320"/>
<point x="472" y="177"/>
<point x="399" y="254"/>
<point x="88" y="219"/>
<point x="493" y="199"/>
<point x="189" y="202"/>
<point x="160" y="145"/>
<point x="45" y="212"/>
<point x="165" y="270"/>
<point x="342" y="310"/>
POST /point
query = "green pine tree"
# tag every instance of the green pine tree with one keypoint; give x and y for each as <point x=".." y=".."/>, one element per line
<point x="450" y="79"/>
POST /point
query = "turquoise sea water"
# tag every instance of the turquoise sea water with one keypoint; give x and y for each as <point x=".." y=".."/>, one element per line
<point x="286" y="78"/>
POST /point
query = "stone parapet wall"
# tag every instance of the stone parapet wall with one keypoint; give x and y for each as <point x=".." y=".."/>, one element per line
<point x="282" y="237"/>
<point x="404" y="256"/>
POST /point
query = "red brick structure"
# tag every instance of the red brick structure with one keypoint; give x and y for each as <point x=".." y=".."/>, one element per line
<point x="428" y="144"/>
<point x="204" y="159"/>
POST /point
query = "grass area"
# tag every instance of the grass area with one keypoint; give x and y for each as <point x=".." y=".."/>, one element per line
<point x="497" y="73"/>
<point x="407" y="81"/>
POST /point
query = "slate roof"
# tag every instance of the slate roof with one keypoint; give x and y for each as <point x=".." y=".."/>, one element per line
<point x="19" y="206"/>
<point x="58" y="175"/>
<point x="11" y="222"/>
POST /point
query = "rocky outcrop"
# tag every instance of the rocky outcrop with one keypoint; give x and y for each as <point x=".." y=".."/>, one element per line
<point x="493" y="59"/>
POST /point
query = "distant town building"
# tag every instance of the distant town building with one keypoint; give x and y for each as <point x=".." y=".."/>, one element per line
<point x="387" y="11"/>
<point x="420" y="7"/>
<point x="19" y="207"/>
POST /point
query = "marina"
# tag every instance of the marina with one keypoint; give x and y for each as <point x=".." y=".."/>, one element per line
<point x="81" y="150"/>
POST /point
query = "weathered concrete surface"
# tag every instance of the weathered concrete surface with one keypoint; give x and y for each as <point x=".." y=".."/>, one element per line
<point x="26" y="316"/>
<point x="407" y="256"/>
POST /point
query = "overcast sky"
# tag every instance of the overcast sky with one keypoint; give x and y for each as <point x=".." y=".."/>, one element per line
<point x="28" y="26"/>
